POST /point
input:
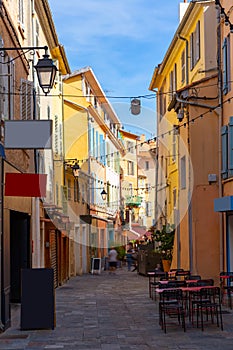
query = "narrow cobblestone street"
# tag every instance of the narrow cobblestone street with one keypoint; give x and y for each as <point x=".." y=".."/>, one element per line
<point x="113" y="312"/>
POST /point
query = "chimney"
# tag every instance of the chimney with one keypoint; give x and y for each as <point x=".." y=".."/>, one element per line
<point x="182" y="9"/>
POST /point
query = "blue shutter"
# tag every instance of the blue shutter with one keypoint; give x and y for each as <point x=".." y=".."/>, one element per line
<point x="104" y="152"/>
<point x="224" y="135"/>
<point x="93" y="142"/>
<point x="97" y="144"/>
<point x="230" y="147"/>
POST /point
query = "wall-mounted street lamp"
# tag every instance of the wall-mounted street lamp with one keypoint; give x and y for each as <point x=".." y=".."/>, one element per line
<point x="104" y="194"/>
<point x="45" y="69"/>
<point x="76" y="170"/>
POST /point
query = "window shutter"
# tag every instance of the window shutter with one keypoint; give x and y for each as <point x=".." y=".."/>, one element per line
<point x="224" y="135"/>
<point x="198" y="51"/>
<point x="64" y="195"/>
<point x="191" y="52"/>
<point x="26" y="103"/>
<point x="96" y="144"/>
<point x="228" y="63"/>
<point x="230" y="147"/>
<point x="93" y="143"/>
<point x="183" y="172"/>
<point x="56" y="134"/>
<point x="102" y="150"/>
<point x="11" y="88"/>
<point x="224" y="66"/>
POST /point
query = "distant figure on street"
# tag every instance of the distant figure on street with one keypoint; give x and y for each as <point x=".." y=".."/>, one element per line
<point x="129" y="258"/>
<point x="112" y="260"/>
<point x="135" y="260"/>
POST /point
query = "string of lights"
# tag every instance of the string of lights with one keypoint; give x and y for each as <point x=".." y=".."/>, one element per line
<point x="162" y="135"/>
<point x="223" y="15"/>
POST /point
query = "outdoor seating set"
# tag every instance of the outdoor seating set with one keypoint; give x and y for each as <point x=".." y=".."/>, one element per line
<point x="226" y="285"/>
<point x="183" y="295"/>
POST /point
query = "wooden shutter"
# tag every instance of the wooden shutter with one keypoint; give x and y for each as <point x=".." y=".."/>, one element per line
<point x="224" y="135"/>
<point x="53" y="255"/>
<point x="26" y="103"/>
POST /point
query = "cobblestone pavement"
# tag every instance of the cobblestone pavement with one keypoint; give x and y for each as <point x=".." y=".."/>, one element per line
<point x="113" y="312"/>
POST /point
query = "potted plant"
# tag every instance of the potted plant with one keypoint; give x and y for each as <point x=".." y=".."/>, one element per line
<point x="165" y="242"/>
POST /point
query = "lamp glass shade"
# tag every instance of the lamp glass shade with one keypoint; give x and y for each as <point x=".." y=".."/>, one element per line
<point x="46" y="72"/>
<point x="104" y="194"/>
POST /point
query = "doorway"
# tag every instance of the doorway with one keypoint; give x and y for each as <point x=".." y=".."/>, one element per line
<point x="20" y="252"/>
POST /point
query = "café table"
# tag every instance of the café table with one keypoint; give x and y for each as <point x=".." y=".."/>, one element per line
<point x="153" y="278"/>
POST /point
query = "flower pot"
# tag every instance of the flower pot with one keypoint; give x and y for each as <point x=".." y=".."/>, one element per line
<point x="166" y="265"/>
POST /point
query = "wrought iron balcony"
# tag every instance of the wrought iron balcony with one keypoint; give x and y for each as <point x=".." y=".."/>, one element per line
<point x="133" y="201"/>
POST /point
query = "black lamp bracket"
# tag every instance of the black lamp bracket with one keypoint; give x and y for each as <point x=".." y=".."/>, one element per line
<point x="31" y="49"/>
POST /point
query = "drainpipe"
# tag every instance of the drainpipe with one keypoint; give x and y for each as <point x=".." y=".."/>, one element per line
<point x="35" y="201"/>
<point x="1" y="235"/>
<point x="220" y="119"/>
<point x="195" y="104"/>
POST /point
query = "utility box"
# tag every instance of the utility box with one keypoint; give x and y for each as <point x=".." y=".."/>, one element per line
<point x="37" y="300"/>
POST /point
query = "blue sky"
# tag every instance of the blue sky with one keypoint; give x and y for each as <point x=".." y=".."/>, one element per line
<point x="122" y="41"/>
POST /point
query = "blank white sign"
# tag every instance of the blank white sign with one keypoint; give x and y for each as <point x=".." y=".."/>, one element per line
<point x="30" y="134"/>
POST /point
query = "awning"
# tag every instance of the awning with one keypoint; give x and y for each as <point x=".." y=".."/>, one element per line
<point x="223" y="204"/>
<point x="131" y="234"/>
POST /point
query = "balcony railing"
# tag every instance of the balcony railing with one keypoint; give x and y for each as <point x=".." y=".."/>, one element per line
<point x="133" y="201"/>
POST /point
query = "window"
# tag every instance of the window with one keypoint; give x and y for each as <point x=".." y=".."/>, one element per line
<point x="56" y="135"/>
<point x="148" y="188"/>
<point x="195" y="46"/>
<point x="147" y="165"/>
<point x="64" y="196"/>
<point x="183" y="172"/>
<point x="174" y="198"/>
<point x="95" y="102"/>
<point x="130" y="189"/>
<point x="130" y="168"/>
<point x="26" y="100"/>
<point x="37" y="33"/>
<point x="83" y="194"/>
<point x="183" y="67"/>
<point x="226" y="65"/>
<point x="175" y="78"/>
<point x="76" y="191"/>
<point x="174" y="144"/>
<point x="171" y="85"/>
<point x="69" y="189"/>
<point x="162" y="100"/>
<point x="57" y="194"/>
<point x="130" y="147"/>
<point x="97" y="144"/>
<point x="148" y="209"/>
<point x="7" y="88"/>
<point x="21" y="13"/>
<point x="224" y="135"/>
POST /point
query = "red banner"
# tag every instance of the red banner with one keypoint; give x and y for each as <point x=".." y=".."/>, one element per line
<point x="25" y="185"/>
